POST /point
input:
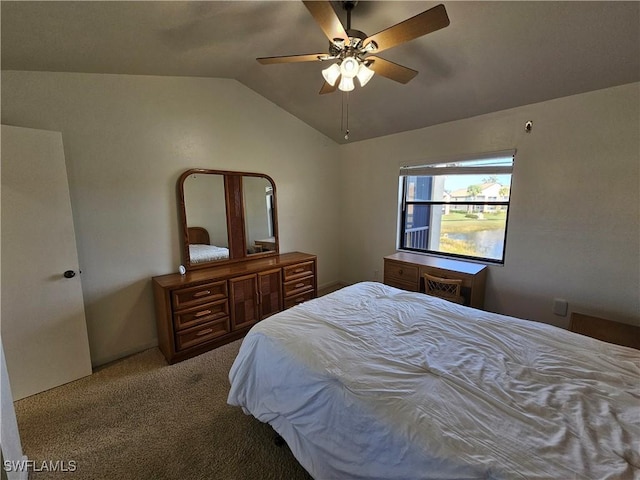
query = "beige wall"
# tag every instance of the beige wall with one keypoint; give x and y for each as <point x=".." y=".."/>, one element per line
<point x="573" y="228"/>
<point x="574" y="222"/>
<point x="127" y="139"/>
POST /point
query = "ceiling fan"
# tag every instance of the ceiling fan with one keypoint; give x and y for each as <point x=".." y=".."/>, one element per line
<point x="353" y="49"/>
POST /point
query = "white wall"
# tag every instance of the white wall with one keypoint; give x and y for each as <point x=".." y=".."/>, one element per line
<point x="127" y="139"/>
<point x="574" y="220"/>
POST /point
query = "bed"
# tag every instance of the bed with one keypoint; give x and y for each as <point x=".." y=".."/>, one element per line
<point x="199" y="253"/>
<point x="373" y="382"/>
<point x="200" y="250"/>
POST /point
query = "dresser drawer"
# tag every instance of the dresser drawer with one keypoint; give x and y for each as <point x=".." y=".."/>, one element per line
<point x="202" y="333"/>
<point x="299" y="270"/>
<point x="201" y="314"/>
<point x="188" y="297"/>
<point x="297" y="287"/>
<point x="295" y="300"/>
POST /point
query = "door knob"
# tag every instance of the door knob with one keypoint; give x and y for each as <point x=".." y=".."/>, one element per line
<point x="69" y="274"/>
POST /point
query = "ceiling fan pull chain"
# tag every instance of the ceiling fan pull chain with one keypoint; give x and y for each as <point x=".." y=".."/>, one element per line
<point x="346" y="135"/>
<point x="344" y="115"/>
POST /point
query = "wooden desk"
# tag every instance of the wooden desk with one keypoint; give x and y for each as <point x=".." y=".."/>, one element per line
<point x="405" y="270"/>
<point x="267" y="244"/>
<point x="606" y="330"/>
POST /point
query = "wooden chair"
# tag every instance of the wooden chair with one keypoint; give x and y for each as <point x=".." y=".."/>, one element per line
<point x="446" y="288"/>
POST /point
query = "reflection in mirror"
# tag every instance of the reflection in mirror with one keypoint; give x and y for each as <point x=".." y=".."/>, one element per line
<point x="258" y="214"/>
<point x="206" y="217"/>
<point x="226" y="217"/>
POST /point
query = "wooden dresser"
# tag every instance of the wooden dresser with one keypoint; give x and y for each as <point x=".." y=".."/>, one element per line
<point x="606" y="330"/>
<point x="405" y="270"/>
<point x="207" y="308"/>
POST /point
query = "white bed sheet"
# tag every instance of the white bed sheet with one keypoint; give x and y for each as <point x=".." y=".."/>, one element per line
<point x="378" y="383"/>
<point x="199" y="253"/>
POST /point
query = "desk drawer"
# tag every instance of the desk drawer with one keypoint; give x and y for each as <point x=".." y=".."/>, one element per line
<point x="201" y="314"/>
<point x="299" y="270"/>
<point x="189" y="297"/>
<point x="401" y="273"/>
<point x="202" y="333"/>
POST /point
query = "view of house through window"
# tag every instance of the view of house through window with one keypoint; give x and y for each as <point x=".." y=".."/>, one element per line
<point x="458" y="208"/>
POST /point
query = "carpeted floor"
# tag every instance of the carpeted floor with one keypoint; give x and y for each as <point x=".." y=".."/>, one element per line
<point x="140" y="418"/>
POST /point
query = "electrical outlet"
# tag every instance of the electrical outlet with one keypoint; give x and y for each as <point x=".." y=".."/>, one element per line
<point x="560" y="306"/>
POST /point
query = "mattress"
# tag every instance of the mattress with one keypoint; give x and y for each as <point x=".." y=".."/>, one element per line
<point x="373" y="382"/>
<point x="199" y="253"/>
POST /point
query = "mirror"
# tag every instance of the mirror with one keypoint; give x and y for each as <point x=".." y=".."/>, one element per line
<point x="258" y="214"/>
<point x="226" y="216"/>
<point x="206" y="217"/>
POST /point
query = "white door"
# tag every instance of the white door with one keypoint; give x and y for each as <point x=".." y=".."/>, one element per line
<point x="43" y="329"/>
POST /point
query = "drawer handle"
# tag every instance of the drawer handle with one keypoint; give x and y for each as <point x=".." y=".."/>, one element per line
<point x="202" y="313"/>
<point x="298" y="285"/>
<point x="204" y="332"/>
<point x="299" y="270"/>
<point x="202" y="294"/>
<point x="400" y="271"/>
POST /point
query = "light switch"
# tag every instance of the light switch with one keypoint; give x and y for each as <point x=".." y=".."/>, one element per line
<point x="560" y="307"/>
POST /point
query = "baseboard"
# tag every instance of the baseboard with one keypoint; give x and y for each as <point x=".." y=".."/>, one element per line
<point x="98" y="363"/>
<point x="119" y="356"/>
<point x="330" y="287"/>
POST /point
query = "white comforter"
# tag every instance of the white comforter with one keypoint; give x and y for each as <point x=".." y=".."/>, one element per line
<point x="199" y="253"/>
<point x="378" y="383"/>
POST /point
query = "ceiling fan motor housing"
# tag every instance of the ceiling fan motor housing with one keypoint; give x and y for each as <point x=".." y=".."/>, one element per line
<point x="356" y="47"/>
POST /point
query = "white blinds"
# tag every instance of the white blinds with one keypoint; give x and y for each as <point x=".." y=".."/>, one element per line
<point x="476" y="164"/>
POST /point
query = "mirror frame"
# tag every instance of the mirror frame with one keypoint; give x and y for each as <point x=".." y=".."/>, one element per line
<point x="235" y="212"/>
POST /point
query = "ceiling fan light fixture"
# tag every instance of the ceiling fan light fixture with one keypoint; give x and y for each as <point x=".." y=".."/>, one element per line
<point x="349" y="67"/>
<point x="346" y="84"/>
<point x="338" y="42"/>
<point x="331" y="74"/>
<point x="370" y="47"/>
<point x="364" y="74"/>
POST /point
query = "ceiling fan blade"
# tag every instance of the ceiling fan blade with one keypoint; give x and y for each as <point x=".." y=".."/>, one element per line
<point x="426" y="22"/>
<point x="329" y="22"/>
<point x="311" y="57"/>
<point x="391" y="70"/>
<point x="328" y="88"/>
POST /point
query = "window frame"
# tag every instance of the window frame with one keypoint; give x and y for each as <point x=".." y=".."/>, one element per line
<point x="453" y="167"/>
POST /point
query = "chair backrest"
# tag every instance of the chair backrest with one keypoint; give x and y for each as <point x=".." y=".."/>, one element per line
<point x="446" y="288"/>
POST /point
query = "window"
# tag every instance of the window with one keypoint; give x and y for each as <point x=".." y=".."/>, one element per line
<point x="459" y="208"/>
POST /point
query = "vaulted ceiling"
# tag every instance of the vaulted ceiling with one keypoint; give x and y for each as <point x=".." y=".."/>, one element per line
<point x="493" y="55"/>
